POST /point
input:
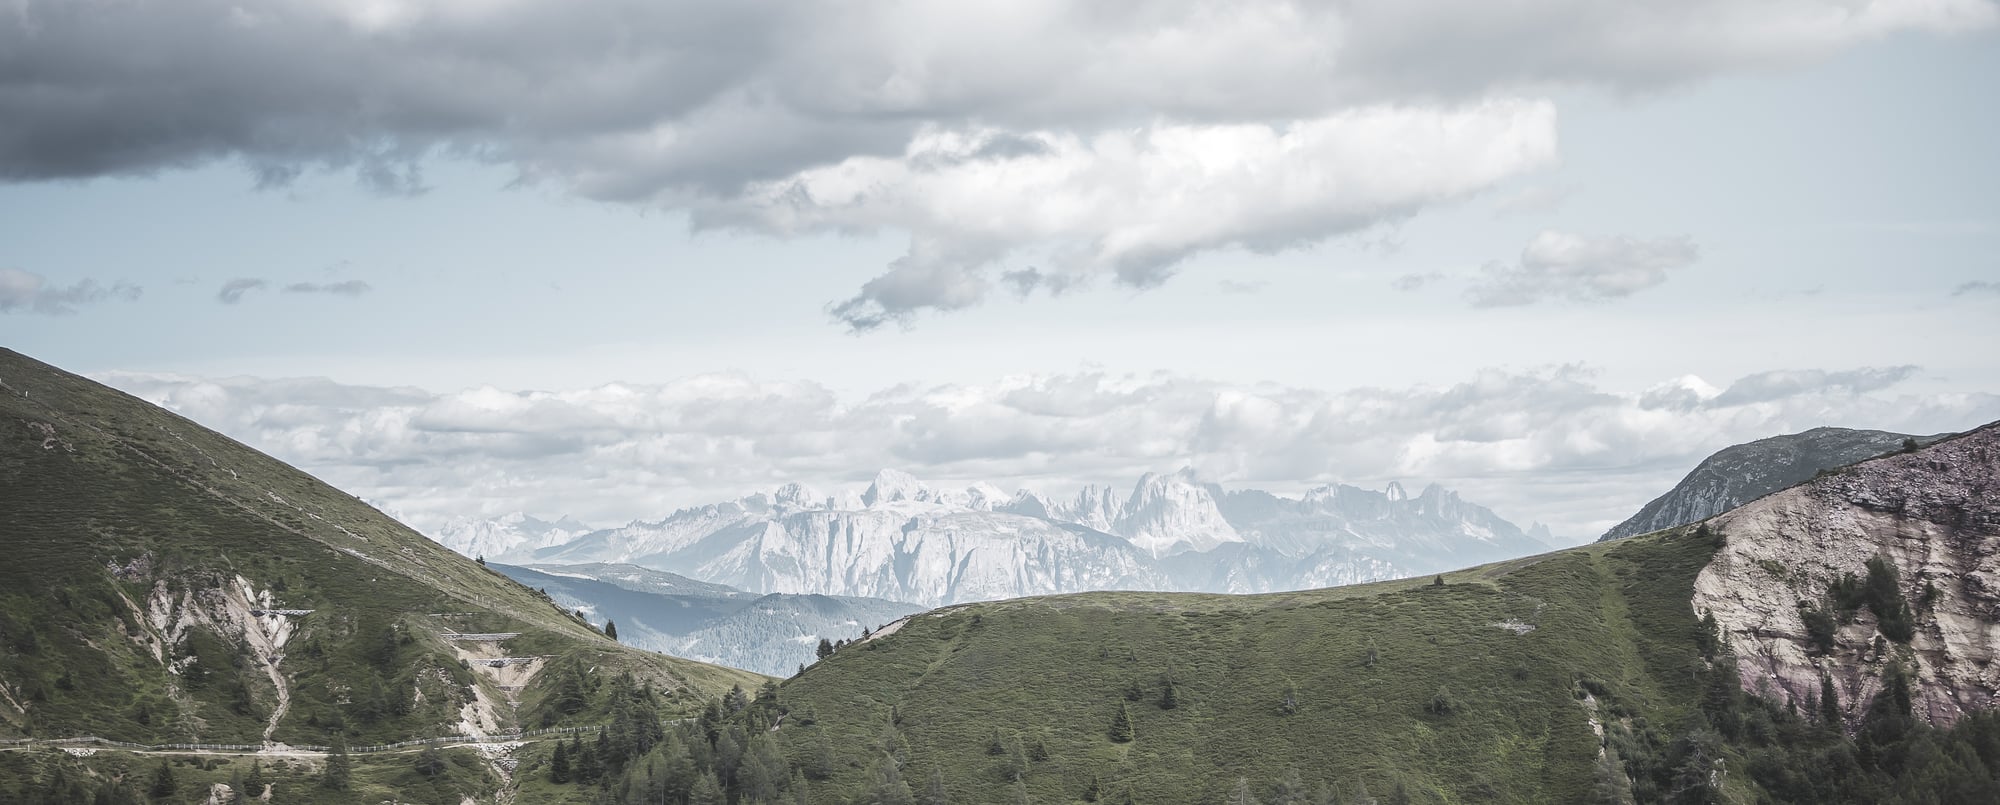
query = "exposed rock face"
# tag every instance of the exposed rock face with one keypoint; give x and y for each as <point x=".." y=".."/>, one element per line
<point x="1934" y="513"/>
<point x="1746" y="472"/>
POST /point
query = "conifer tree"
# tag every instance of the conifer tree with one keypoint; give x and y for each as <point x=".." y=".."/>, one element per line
<point x="559" y="764"/>
<point x="610" y="629"/>
<point x="707" y="791"/>
<point x="825" y="648"/>
<point x="934" y="793"/>
<point x="338" y="766"/>
<point x="1093" y="790"/>
<point x="1241" y="794"/>
<point x="1829" y="703"/>
<point x="1121" y="726"/>
<point x="255" y="779"/>
<point x="164" y="784"/>
<point x="888" y="787"/>
<point x="1170" y="696"/>
<point x="1020" y="793"/>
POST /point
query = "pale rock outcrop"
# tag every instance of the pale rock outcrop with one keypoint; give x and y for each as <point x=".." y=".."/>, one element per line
<point x="1934" y="512"/>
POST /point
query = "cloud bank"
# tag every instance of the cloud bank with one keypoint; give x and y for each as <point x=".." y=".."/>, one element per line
<point x="1581" y="268"/>
<point x="28" y="292"/>
<point x="1550" y="444"/>
<point x="1102" y="142"/>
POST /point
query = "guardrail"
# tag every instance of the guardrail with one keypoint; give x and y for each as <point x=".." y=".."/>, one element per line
<point x="353" y="750"/>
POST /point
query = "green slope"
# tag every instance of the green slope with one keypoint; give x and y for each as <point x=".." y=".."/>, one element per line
<point x="134" y="538"/>
<point x="1057" y="670"/>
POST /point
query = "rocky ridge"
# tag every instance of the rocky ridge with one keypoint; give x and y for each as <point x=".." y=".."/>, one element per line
<point x="1934" y="513"/>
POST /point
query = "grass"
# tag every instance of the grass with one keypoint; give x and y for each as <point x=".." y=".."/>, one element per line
<point x="108" y="504"/>
<point x="1057" y="668"/>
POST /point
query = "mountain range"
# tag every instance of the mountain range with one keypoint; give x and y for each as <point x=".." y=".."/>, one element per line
<point x="1828" y="643"/>
<point x="903" y="540"/>
<point x="773" y="633"/>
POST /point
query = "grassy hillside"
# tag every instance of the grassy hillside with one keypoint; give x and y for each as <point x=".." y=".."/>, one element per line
<point x="1443" y="691"/>
<point x="136" y="542"/>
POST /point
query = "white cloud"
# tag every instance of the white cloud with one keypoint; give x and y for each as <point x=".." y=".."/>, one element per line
<point x="1580" y="268"/>
<point x="1549" y="444"/>
<point x="28" y="292"/>
<point x="1096" y="136"/>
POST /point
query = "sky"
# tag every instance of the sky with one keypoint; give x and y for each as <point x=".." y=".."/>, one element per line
<point x="468" y="257"/>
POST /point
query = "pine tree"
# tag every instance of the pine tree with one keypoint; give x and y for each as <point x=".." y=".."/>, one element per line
<point x="1241" y="794"/>
<point x="255" y="779"/>
<point x="1441" y="703"/>
<point x="1094" y="789"/>
<point x="1829" y="703"/>
<point x="559" y="764"/>
<point x="1020" y="792"/>
<point x="707" y="791"/>
<point x="1016" y="767"/>
<point x="430" y="762"/>
<point x="825" y="648"/>
<point x="889" y="788"/>
<point x="1438" y="580"/>
<point x="934" y="790"/>
<point x="1170" y="696"/>
<point x="1121" y="726"/>
<point x="338" y="766"/>
<point x="164" y="784"/>
<point x="610" y="629"/>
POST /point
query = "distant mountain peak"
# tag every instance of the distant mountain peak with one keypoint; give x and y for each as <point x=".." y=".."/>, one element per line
<point x="893" y="485"/>
<point x="1742" y="473"/>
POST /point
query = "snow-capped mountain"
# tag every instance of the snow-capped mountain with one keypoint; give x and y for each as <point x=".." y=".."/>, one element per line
<point x="904" y="540"/>
<point x="509" y="535"/>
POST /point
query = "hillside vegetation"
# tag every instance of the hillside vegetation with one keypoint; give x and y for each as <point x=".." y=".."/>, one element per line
<point x="141" y="548"/>
<point x="1486" y="685"/>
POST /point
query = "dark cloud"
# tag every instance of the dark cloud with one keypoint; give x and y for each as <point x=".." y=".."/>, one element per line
<point x="233" y="290"/>
<point x="28" y="292"/>
<point x="344" y="288"/>
<point x="1115" y="141"/>
<point x="1559" y="265"/>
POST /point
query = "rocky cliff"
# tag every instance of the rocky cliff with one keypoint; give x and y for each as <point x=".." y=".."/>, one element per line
<point x="1933" y="515"/>
<point x="1743" y="473"/>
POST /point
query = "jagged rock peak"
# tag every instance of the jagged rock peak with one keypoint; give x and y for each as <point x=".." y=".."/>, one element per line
<point x="893" y="485"/>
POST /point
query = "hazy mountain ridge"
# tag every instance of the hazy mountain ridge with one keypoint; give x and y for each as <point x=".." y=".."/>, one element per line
<point x="903" y="540"/>
<point x="1742" y="473"/>
<point x="769" y="634"/>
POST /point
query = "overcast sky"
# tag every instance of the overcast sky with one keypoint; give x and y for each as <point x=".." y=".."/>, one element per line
<point x="609" y="258"/>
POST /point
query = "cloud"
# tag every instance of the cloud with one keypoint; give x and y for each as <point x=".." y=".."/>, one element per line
<point x="1412" y="282"/>
<point x="343" y="288"/>
<point x="1094" y="136"/>
<point x="1560" y="265"/>
<point x="28" y="292"/>
<point x="1976" y="287"/>
<point x="1553" y="444"/>
<point x="233" y="290"/>
<point x="1778" y="385"/>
